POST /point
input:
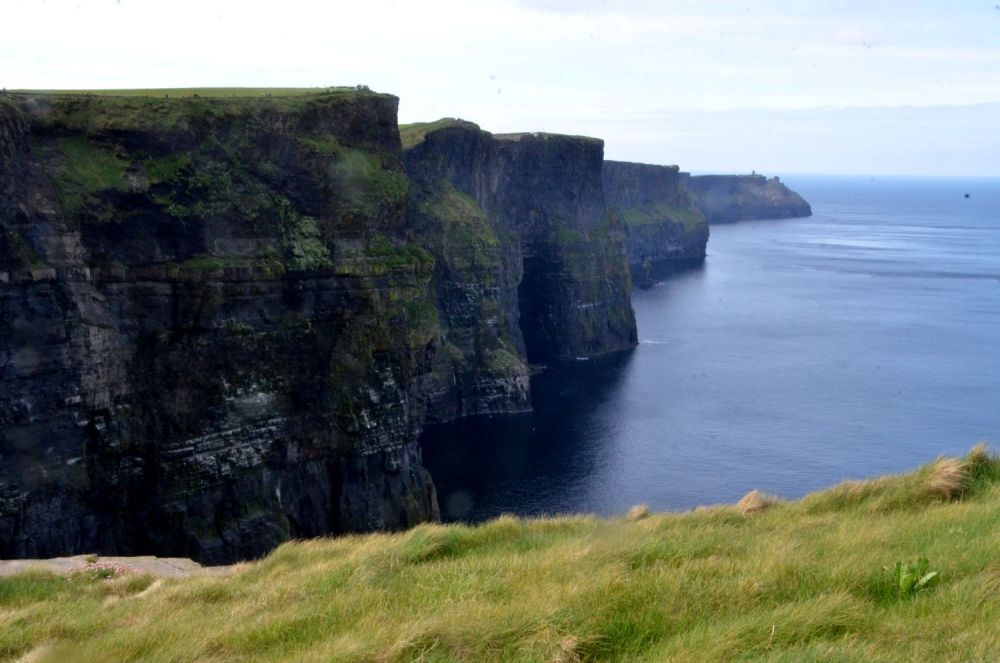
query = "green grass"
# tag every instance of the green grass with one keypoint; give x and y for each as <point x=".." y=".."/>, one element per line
<point x="689" y="217"/>
<point x="412" y="134"/>
<point x="214" y="92"/>
<point x="89" y="169"/>
<point x="370" y="185"/>
<point x="100" y="111"/>
<point x="765" y="580"/>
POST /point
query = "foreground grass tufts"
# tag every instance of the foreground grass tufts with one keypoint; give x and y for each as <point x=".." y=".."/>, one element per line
<point x="811" y="580"/>
<point x="755" y="501"/>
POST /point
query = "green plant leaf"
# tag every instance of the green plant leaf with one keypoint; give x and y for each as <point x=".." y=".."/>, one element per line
<point x="926" y="580"/>
<point x="907" y="581"/>
<point x="922" y="567"/>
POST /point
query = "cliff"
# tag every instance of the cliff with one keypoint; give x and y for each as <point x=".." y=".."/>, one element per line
<point x="225" y="320"/>
<point x="728" y="198"/>
<point x="529" y="267"/>
<point x="660" y="222"/>
<point x="215" y="326"/>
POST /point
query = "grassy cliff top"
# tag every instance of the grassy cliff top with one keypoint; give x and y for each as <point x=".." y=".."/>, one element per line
<point x="643" y="166"/>
<point x="119" y="106"/>
<point x="415" y="132"/>
<point x="97" y="111"/>
<point x="541" y="135"/>
<point x="811" y="580"/>
<point x="211" y="92"/>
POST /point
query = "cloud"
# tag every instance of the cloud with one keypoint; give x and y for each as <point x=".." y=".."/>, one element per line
<point x="528" y="64"/>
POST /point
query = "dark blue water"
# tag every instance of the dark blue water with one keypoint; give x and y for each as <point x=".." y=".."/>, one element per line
<point x="861" y="341"/>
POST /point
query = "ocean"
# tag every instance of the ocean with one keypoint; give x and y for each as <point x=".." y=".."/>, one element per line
<point x="861" y="341"/>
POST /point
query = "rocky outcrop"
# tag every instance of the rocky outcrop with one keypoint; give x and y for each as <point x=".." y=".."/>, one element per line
<point x="530" y="268"/>
<point x="216" y="329"/>
<point x="660" y="222"/>
<point x="728" y="198"/>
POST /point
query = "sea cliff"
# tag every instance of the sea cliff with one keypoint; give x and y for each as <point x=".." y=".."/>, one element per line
<point x="530" y="267"/>
<point x="216" y="325"/>
<point x="660" y="220"/>
<point x="225" y="320"/>
<point x="728" y="198"/>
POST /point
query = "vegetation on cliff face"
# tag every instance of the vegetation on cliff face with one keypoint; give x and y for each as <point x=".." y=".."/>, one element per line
<point x="763" y="580"/>
<point x="689" y="218"/>
<point x="661" y="224"/>
<point x="479" y="369"/>
<point x="215" y="324"/>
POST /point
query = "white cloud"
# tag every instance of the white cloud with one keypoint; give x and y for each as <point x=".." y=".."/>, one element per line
<point x="530" y="64"/>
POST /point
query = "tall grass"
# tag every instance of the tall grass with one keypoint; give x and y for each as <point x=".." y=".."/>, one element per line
<point x="774" y="580"/>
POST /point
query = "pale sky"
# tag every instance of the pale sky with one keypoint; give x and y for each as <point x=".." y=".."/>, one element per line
<point x="864" y="87"/>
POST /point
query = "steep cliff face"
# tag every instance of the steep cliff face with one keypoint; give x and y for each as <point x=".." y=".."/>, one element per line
<point x="216" y="329"/>
<point x="519" y="227"/>
<point x="660" y="222"/>
<point x="224" y="321"/>
<point x="727" y="198"/>
<point x="481" y="367"/>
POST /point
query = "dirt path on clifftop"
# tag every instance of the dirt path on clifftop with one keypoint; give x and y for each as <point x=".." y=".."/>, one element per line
<point x="159" y="567"/>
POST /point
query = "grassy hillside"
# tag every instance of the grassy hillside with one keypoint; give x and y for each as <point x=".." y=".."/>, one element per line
<point x="797" y="581"/>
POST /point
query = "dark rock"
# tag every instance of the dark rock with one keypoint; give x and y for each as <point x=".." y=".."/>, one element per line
<point x="530" y="266"/>
<point x="210" y="337"/>
<point x="728" y="198"/>
<point x="661" y="224"/>
<point x="224" y="321"/>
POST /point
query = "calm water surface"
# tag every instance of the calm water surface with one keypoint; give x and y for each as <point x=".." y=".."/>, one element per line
<point x="860" y="341"/>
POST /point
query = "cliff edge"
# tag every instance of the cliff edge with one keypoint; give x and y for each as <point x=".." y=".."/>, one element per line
<point x="529" y="267"/>
<point x="728" y="198"/>
<point x="660" y="221"/>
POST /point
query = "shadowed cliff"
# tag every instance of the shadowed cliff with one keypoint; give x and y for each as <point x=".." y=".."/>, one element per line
<point x="225" y="320"/>
<point x="215" y="324"/>
<point x="530" y="268"/>
<point x="728" y="198"/>
<point x="661" y="224"/>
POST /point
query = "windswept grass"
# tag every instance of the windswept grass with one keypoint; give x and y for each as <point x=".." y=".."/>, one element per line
<point x="215" y="92"/>
<point x="795" y="581"/>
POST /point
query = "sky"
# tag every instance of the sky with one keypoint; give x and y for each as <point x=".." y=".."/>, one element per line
<point x="840" y="86"/>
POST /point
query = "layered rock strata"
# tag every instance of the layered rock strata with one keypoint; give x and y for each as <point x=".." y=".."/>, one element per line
<point x="215" y="326"/>
<point x="530" y="267"/>
<point x="224" y="321"/>
<point x="728" y="198"/>
<point x="659" y="219"/>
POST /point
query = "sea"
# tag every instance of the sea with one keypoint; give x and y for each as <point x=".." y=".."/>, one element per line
<point x="861" y="341"/>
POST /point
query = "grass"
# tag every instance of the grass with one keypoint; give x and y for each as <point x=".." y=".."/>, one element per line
<point x="413" y="134"/>
<point x="781" y="581"/>
<point x="214" y="92"/>
<point x="89" y="169"/>
<point x="689" y="217"/>
<point x="93" y="112"/>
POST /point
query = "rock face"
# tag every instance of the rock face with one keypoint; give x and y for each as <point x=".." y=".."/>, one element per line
<point x="728" y="198"/>
<point x="224" y="321"/>
<point x="215" y="326"/>
<point x="530" y="267"/>
<point x="660" y="222"/>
